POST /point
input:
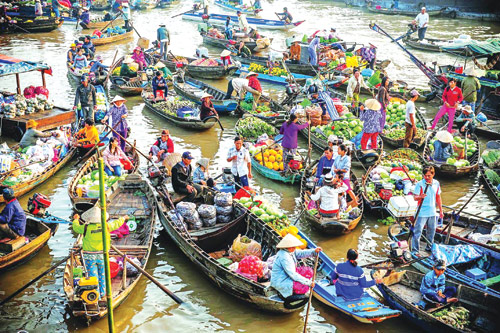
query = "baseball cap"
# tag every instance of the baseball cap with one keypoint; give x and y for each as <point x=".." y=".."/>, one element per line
<point x="187" y="155"/>
<point x="414" y="93"/>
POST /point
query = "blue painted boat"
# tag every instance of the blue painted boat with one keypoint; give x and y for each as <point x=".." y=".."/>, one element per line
<point x="261" y="23"/>
<point x="230" y="7"/>
<point x="365" y="309"/>
<point x="192" y="90"/>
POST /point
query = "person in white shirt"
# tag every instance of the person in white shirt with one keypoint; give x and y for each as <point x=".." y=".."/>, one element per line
<point x="241" y="167"/>
<point x="354" y="85"/>
<point x="240" y="85"/>
<point x="329" y="196"/>
<point x="242" y="22"/>
<point x="422" y="22"/>
<point x="410" y="122"/>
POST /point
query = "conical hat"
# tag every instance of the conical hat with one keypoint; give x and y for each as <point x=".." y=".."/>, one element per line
<point x="93" y="215"/>
<point x="289" y="241"/>
<point x="444" y="136"/>
<point x="373" y="104"/>
<point x="118" y="98"/>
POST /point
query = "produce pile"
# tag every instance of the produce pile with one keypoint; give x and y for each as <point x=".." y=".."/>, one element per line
<point x="346" y="128"/>
<point x="205" y="215"/>
<point x="458" y="159"/>
<point x="172" y="104"/>
<point x="494" y="178"/>
<point x="275" y="71"/>
<point x="205" y="62"/>
<point x="395" y="122"/>
<point x="492" y="158"/>
<point x="253" y="128"/>
<point x="110" y="31"/>
<point x="262" y="109"/>
<point x="456" y="316"/>
<point x="387" y="221"/>
<point x="18" y="105"/>
<point x="271" y="158"/>
<point x="88" y="184"/>
<point x="266" y="211"/>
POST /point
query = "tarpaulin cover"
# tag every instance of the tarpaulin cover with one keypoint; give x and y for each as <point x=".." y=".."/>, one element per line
<point x="477" y="48"/>
<point x="9" y="66"/>
<point x="456" y="254"/>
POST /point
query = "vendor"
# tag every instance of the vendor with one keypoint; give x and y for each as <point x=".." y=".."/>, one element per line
<point x="225" y="57"/>
<point x="254" y="83"/>
<point x="289" y="129"/>
<point x="114" y="159"/>
<point x="350" y="278"/>
<point x="328" y="195"/>
<point x="241" y="163"/>
<point x="32" y="134"/>
<point x="207" y="108"/>
<point x="443" y="148"/>
<point x="159" y="84"/>
<point x="355" y="83"/>
<point x="88" y="136"/>
<point x="433" y="286"/>
<point x="138" y="57"/>
<point x="466" y="120"/>
<point x="97" y="67"/>
<point x="88" y="47"/>
<point x="92" y="245"/>
<point x="228" y="31"/>
<point x="325" y="165"/>
<point x="342" y="164"/>
<point x="12" y="217"/>
<point x="241" y="86"/>
<point x="244" y="51"/>
<point x="162" y="146"/>
<point x="85" y="18"/>
<point x="118" y="113"/>
<point x="295" y="51"/>
<point x="242" y="22"/>
<point x="182" y="181"/>
<point x="200" y="175"/>
<point x="125" y="68"/>
<point x="284" y="271"/>
<point x="371" y="118"/>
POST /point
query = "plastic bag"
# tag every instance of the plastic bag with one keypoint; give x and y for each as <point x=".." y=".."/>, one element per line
<point x="192" y="218"/>
<point x="224" y="210"/>
<point x="244" y="246"/>
<point x="209" y="222"/>
<point x="252" y="265"/>
<point x="196" y="225"/>
<point x="186" y="208"/>
<point x="249" y="276"/>
<point x="207" y="211"/>
<point x="299" y="288"/>
<point x="224" y="218"/>
<point x="223" y="199"/>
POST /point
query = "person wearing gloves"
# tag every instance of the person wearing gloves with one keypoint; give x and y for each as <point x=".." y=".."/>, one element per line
<point x="443" y="148"/>
<point x="92" y="245"/>
<point x="350" y="279"/>
<point x="32" y="134"/>
<point x="200" y="174"/>
<point x="328" y="195"/>
<point x="433" y="287"/>
<point x="354" y="85"/>
<point x="371" y="118"/>
<point x="284" y="271"/>
<point x="118" y="112"/>
<point x="12" y="217"/>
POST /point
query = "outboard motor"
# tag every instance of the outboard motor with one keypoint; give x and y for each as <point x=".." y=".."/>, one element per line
<point x="156" y="175"/>
<point x="400" y="251"/>
<point x="38" y="203"/>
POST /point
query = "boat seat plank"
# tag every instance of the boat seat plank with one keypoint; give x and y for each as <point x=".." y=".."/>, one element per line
<point x="206" y="230"/>
<point x="410" y="295"/>
<point x="491" y="281"/>
<point x="12" y="245"/>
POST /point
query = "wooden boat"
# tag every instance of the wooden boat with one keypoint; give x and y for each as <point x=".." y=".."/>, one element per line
<point x="486" y="260"/>
<point x="490" y="187"/>
<point x="100" y="23"/>
<point x="144" y="4"/>
<point x="17" y="251"/>
<point x="193" y="89"/>
<point x="126" y="200"/>
<point x="113" y="39"/>
<point x="224" y="43"/>
<point x="281" y="80"/>
<point x="394" y="11"/>
<point x="490" y="129"/>
<point x="125" y="85"/>
<point x="31" y="24"/>
<point x="330" y="226"/>
<point x="77" y="76"/>
<point x="261" y="23"/>
<point x="100" y="5"/>
<point x="401" y="291"/>
<point x="25" y="187"/>
<point x="230" y="7"/>
<point x="216" y="240"/>
<point x="300" y="68"/>
<point x="449" y="170"/>
<point x="81" y="203"/>
<point x="189" y="123"/>
<point x="430" y="44"/>
<point x="278" y="116"/>
<point x="291" y="178"/>
<point x="199" y="72"/>
<point x="366" y="309"/>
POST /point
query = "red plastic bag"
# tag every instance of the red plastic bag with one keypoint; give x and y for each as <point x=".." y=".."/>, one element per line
<point x="29" y="92"/>
<point x="251" y="265"/>
<point x="299" y="288"/>
<point x="41" y="90"/>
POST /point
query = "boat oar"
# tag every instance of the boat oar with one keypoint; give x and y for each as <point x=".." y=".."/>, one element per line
<point x="6" y="173"/>
<point x="131" y="145"/>
<point x="298" y="217"/>
<point x="17" y="292"/>
<point x="149" y="276"/>
<point x="102" y="29"/>
<point x="311" y="291"/>
<point x="407" y="175"/>
<point x="216" y="119"/>
<point x="112" y="66"/>
<point x="455" y="216"/>
<point x="194" y="10"/>
<point x="473" y="215"/>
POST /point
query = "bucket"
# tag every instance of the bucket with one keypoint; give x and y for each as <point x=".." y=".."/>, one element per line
<point x="114" y="268"/>
<point x="459" y="70"/>
<point x="143" y="43"/>
<point x="481" y="117"/>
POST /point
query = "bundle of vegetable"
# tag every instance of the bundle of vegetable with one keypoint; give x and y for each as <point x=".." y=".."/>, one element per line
<point x="92" y="179"/>
<point x="346" y="128"/>
<point x="101" y="101"/>
<point x="493" y="177"/>
<point x="253" y="128"/>
<point x="492" y="158"/>
<point x="262" y="109"/>
<point x="457" y="317"/>
<point x="458" y="151"/>
<point x="399" y="133"/>
<point x="266" y="211"/>
<point x="387" y="221"/>
<point x="172" y="104"/>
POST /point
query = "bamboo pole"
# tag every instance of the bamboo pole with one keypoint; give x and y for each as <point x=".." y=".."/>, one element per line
<point x="311" y="291"/>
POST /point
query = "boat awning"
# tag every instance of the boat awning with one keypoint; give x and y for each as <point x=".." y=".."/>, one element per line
<point x="485" y="82"/>
<point x="9" y="66"/>
<point x="475" y="48"/>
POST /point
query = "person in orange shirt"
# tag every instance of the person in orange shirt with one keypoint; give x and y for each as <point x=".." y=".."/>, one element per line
<point x="87" y="137"/>
<point x="295" y="51"/>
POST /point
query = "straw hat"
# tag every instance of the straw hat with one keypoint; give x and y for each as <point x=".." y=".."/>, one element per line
<point x="118" y="98"/>
<point x="373" y="104"/>
<point x="159" y="64"/>
<point x="225" y="53"/>
<point x="289" y="241"/>
<point x="93" y="215"/>
<point x="471" y="71"/>
<point x="31" y="123"/>
<point x="444" y="136"/>
<point x="467" y="108"/>
<point x="203" y="162"/>
<point x="205" y="95"/>
<point x="252" y="73"/>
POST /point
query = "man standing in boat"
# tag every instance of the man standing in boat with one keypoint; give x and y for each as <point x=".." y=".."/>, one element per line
<point x="85" y="93"/>
<point x="422" y="22"/>
<point x="12" y="217"/>
<point x="241" y="163"/>
<point x="410" y="123"/>
<point x="163" y="36"/>
<point x="242" y="22"/>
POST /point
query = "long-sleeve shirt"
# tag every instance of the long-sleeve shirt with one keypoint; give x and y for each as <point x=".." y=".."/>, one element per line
<point x="243" y="23"/>
<point x="155" y="83"/>
<point x="329" y="197"/>
<point x="162" y="34"/>
<point x="181" y="177"/>
<point x="442" y="151"/>
<point x="289" y="132"/>
<point x="313" y="45"/>
<point x="29" y="138"/>
<point x="284" y="271"/>
<point x="324" y="163"/>
<point x="295" y="51"/>
<point x="371" y="121"/>
<point x="383" y="97"/>
<point x="244" y="52"/>
<point x="96" y="65"/>
<point x="114" y="159"/>
<point x="80" y="61"/>
<point x="84" y="95"/>
<point x="126" y="13"/>
<point x="92" y="236"/>
<point x="167" y="145"/>
<point x="352" y="85"/>
<point x="343" y="163"/>
<point x="116" y="113"/>
<point x="240" y="85"/>
<point x="139" y="58"/>
<point x="85" y="17"/>
<point x="351" y="280"/>
<point x="207" y="109"/>
<point x="470" y="86"/>
<point x="127" y="72"/>
<point x="464" y="116"/>
<point x="431" y="283"/>
<point x="89" y="47"/>
<point x="90" y="134"/>
<point x="254" y="83"/>
<point x="452" y="96"/>
<point x="14" y="216"/>
<point x="199" y="175"/>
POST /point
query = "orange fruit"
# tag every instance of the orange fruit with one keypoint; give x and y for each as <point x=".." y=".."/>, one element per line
<point x="272" y="159"/>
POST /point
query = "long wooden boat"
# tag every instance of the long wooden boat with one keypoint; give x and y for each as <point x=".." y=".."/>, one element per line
<point x="100" y="5"/>
<point x="77" y="77"/>
<point x="401" y="291"/>
<point x="17" y="251"/>
<point x="135" y="198"/>
<point x="144" y="4"/>
<point x="303" y="68"/>
<point x="199" y="72"/>
<point x="490" y="129"/>
<point x="279" y="113"/>
<point x="113" y="39"/>
<point x="449" y="170"/>
<point x="31" y="24"/>
<point x="100" y="23"/>
<point x="261" y="23"/>
<point x="490" y="187"/>
<point x="485" y="259"/>
<point x="189" y="123"/>
<point x="240" y="130"/>
<point x="216" y="241"/>
<point x="366" y="309"/>
<point x="394" y="11"/>
<point x="81" y="203"/>
<point x="223" y="43"/>
<point x="193" y="89"/>
<point x="329" y="226"/>
<point x="430" y="44"/>
<point x="230" y="7"/>
<point x="125" y="85"/>
<point x="281" y="80"/>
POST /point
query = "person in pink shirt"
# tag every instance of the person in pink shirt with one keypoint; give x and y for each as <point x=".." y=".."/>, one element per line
<point x="452" y="96"/>
<point x="113" y="158"/>
<point x="138" y="57"/>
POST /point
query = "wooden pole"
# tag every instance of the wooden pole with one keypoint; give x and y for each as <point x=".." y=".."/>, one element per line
<point x="43" y="79"/>
<point x="18" y="82"/>
<point x="105" y="252"/>
<point x="133" y="147"/>
<point x="311" y="291"/>
<point x="112" y="66"/>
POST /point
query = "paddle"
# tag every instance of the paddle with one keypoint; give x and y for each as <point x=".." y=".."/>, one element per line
<point x="194" y="10"/>
<point x="407" y="175"/>
<point x="216" y="118"/>
<point x="102" y="29"/>
<point x="474" y="215"/>
<point x="149" y="276"/>
<point x="112" y="65"/>
<point x="18" y="27"/>
<point x="34" y="280"/>
<point x="5" y="173"/>
<point x="131" y="145"/>
<point x="311" y="291"/>
<point x="298" y="217"/>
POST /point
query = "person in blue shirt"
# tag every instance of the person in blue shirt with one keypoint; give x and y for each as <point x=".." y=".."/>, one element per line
<point x="442" y="146"/>
<point x="350" y="279"/>
<point x="285" y="16"/>
<point x="433" y="286"/>
<point x="342" y="165"/>
<point x="313" y="49"/>
<point x="88" y="47"/>
<point x="428" y="193"/>
<point x="159" y="83"/>
<point x="12" y="217"/>
<point x="325" y="165"/>
<point x="163" y="37"/>
<point x="466" y="120"/>
<point x="97" y="67"/>
<point x="200" y="174"/>
<point x="85" y="18"/>
<point x="227" y="28"/>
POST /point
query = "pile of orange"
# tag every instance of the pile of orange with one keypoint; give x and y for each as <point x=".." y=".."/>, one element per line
<point x="271" y="159"/>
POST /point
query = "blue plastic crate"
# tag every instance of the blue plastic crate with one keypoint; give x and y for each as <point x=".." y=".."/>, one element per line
<point x="476" y="274"/>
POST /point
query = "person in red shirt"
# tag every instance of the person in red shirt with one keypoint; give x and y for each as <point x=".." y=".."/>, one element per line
<point x="254" y="83"/>
<point x="452" y="96"/>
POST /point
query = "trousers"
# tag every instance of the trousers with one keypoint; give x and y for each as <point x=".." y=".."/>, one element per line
<point x="419" y="227"/>
<point x="95" y="267"/>
<point x="442" y="111"/>
<point x="369" y="136"/>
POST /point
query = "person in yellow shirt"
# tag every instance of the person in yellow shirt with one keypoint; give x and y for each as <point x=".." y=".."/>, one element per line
<point x="92" y="245"/>
<point x="87" y="137"/>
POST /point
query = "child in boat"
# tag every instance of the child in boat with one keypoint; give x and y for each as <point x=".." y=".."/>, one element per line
<point x="433" y="287"/>
<point x="329" y="196"/>
<point x="200" y="174"/>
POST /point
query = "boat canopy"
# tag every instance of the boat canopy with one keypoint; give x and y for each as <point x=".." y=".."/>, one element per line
<point x="10" y="66"/>
<point x="474" y="48"/>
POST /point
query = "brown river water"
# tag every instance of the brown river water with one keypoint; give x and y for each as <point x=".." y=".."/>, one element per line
<point x="42" y="307"/>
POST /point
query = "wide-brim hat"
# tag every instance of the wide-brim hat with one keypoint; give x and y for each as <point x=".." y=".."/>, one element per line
<point x="471" y="71"/>
<point x="252" y="73"/>
<point x="373" y="104"/>
<point x="203" y="162"/>
<point x="467" y="108"/>
<point x="225" y="53"/>
<point x="444" y="136"/>
<point x="289" y="241"/>
<point x="328" y="179"/>
<point x="205" y="95"/>
<point x="118" y="98"/>
<point x="93" y="215"/>
<point x="159" y="64"/>
<point x="31" y="123"/>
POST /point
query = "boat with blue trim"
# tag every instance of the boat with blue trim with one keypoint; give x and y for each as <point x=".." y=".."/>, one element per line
<point x="261" y="23"/>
